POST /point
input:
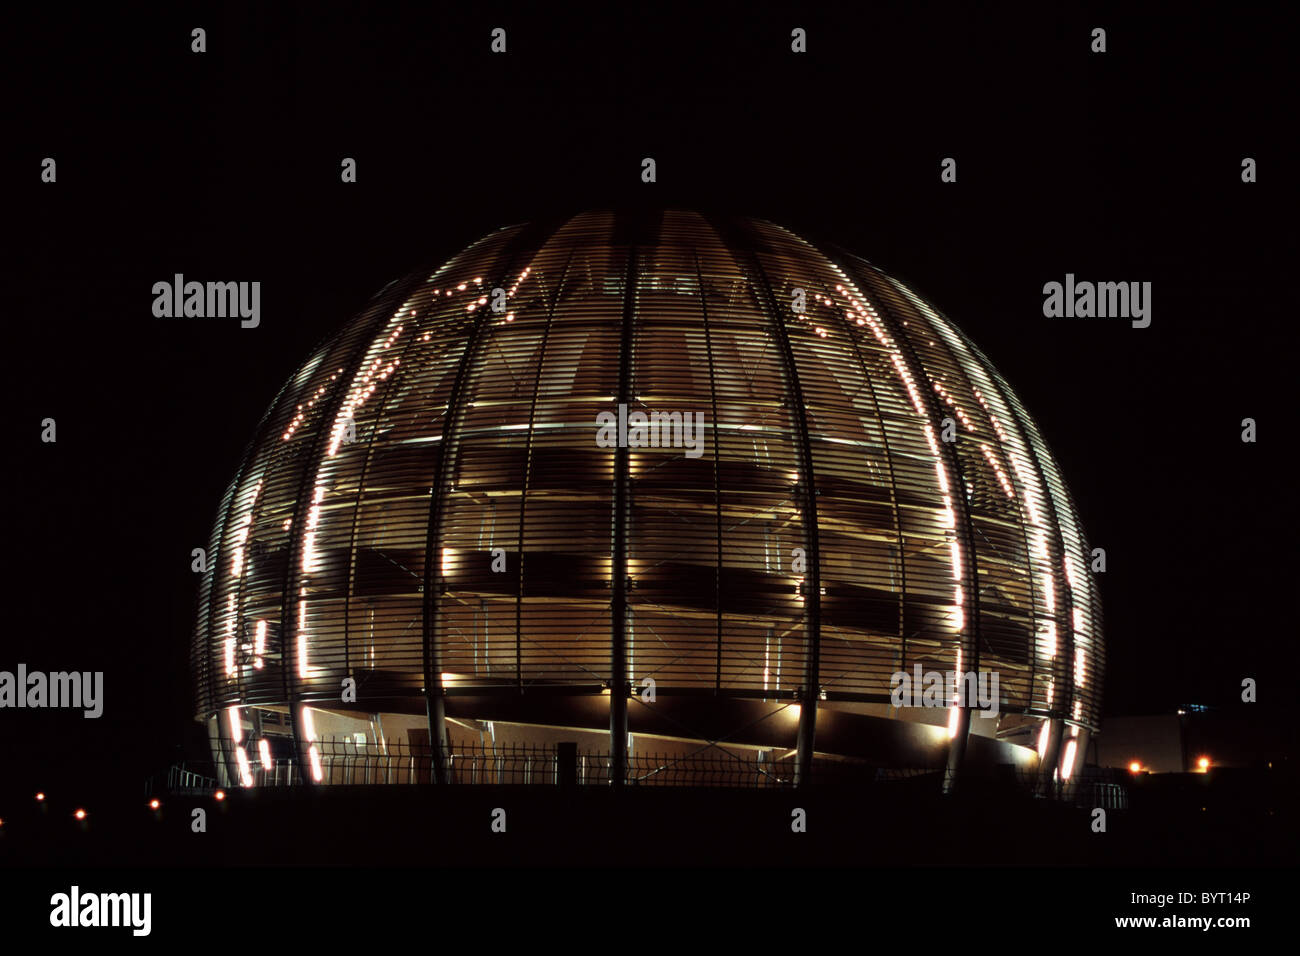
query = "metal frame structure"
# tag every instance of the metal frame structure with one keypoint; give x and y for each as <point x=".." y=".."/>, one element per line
<point x="453" y="428"/>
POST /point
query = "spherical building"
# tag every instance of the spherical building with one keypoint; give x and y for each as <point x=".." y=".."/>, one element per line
<point x="662" y="485"/>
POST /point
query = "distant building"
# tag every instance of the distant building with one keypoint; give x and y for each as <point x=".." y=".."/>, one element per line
<point x="1192" y="739"/>
<point x="1152" y="743"/>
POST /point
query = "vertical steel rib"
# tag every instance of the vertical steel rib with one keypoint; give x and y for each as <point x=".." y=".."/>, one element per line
<point x="528" y="467"/>
<point x="806" y="492"/>
<point x="964" y="525"/>
<point x="1063" y="672"/>
<point x="717" y="467"/>
<point x="618" y="689"/>
<point x="301" y="507"/>
<point x="893" y="481"/>
<point x="527" y="239"/>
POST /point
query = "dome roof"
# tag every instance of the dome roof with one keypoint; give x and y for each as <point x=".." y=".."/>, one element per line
<point x="702" y="451"/>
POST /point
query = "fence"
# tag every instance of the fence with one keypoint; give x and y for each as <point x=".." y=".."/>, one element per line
<point x="345" y="761"/>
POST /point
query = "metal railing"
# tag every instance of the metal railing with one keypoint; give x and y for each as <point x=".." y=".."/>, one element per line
<point x="181" y="779"/>
<point x="345" y="761"/>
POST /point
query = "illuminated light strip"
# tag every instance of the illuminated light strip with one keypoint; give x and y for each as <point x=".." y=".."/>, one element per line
<point x="954" y="711"/>
<point x="1040" y="543"/>
<point x="309" y="728"/>
<point x="309" y="538"/>
<point x="1067" y="762"/>
<point x="957" y="345"/>
<point x="1042" y="738"/>
<point x="906" y="376"/>
<point x="230" y="636"/>
<point x="510" y="316"/>
<point x="264" y="752"/>
<point x="236" y="571"/>
<point x="940" y="471"/>
<point x="522" y="276"/>
<point x="245" y="771"/>
<point x="1039" y="537"/>
<point x="993" y="419"/>
<point x="302" y="414"/>
<point x="364" y="385"/>
<point x="865" y="313"/>
<point x="242" y="532"/>
<point x="304" y="670"/>
<point x="943" y="393"/>
<point x="1077" y="637"/>
<point x="1002" y="476"/>
<point x="1072" y="544"/>
<point x="236" y="725"/>
<point x="1035" y="517"/>
<point x="259" y="644"/>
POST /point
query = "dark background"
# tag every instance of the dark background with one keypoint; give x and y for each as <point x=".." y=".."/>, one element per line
<point x="225" y="165"/>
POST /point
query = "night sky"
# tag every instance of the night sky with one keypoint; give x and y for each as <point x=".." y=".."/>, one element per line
<point x="1122" y="166"/>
